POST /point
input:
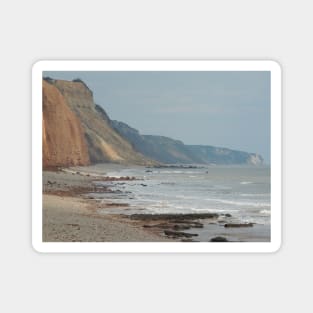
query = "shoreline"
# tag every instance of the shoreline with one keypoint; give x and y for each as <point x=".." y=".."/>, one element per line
<point x="69" y="216"/>
<point x="71" y="212"/>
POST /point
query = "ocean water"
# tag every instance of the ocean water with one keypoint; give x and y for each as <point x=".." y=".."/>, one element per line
<point x="242" y="191"/>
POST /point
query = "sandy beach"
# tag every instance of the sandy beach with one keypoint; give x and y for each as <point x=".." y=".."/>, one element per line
<point x="76" y="208"/>
<point x="68" y="216"/>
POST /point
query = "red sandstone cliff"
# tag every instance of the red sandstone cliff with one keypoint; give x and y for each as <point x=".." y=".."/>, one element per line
<point x="63" y="139"/>
<point x="104" y="143"/>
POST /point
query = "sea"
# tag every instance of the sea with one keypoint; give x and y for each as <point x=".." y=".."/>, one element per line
<point x="244" y="192"/>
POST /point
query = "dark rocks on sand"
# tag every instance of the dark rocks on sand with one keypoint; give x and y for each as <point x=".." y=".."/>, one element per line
<point x="192" y="223"/>
<point x="117" y="204"/>
<point x="218" y="239"/>
<point x="170" y="217"/>
<point x="181" y="226"/>
<point x="178" y="234"/>
<point x="226" y="215"/>
<point x="239" y="225"/>
<point x="160" y="225"/>
<point x="172" y="224"/>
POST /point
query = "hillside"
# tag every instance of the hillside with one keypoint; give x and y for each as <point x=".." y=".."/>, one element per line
<point x="76" y="131"/>
<point x="103" y="142"/>
<point x="167" y="150"/>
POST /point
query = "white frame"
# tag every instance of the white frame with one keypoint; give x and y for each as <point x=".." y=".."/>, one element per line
<point x="147" y="65"/>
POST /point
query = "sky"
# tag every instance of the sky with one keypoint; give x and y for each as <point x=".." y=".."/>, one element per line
<point x="225" y="109"/>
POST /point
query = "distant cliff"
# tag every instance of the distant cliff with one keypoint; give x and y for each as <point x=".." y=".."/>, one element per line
<point x="102" y="142"/>
<point x="167" y="150"/>
<point x="63" y="138"/>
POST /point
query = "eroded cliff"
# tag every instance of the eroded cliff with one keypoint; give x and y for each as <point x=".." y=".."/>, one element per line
<point x="76" y="131"/>
<point x="104" y="143"/>
<point x="63" y="140"/>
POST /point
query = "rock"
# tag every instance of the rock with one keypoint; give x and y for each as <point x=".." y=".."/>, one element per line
<point x="181" y="227"/>
<point x="218" y="239"/>
<point x="190" y="223"/>
<point x="143" y="185"/>
<point x="229" y="225"/>
<point x="176" y="217"/>
<point x="178" y="234"/>
<point x="161" y="225"/>
<point x="117" y="204"/>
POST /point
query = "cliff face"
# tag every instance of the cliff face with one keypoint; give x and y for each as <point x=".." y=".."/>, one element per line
<point x="104" y="143"/>
<point x="160" y="148"/>
<point x="76" y="131"/>
<point x="63" y="139"/>
<point x="167" y="150"/>
<point x="217" y="155"/>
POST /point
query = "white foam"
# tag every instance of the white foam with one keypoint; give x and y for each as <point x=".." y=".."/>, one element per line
<point x="253" y="194"/>
<point x="214" y="210"/>
<point x="265" y="212"/>
<point x="246" y="182"/>
<point x="240" y="203"/>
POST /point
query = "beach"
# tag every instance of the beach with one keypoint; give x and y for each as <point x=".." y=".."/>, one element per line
<point x="112" y="203"/>
<point x="69" y="216"/>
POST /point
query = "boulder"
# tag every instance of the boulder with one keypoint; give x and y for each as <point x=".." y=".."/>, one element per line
<point x="233" y="225"/>
<point x="219" y="239"/>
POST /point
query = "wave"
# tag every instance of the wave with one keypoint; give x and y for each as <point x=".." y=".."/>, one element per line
<point x="206" y="210"/>
<point x="246" y="182"/>
<point x="178" y="172"/>
<point x="265" y="212"/>
<point x="253" y="194"/>
<point x="186" y="197"/>
<point x="240" y="203"/>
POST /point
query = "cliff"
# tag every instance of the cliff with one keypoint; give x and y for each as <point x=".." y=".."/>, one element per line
<point x="63" y="140"/>
<point x="216" y="155"/>
<point x="104" y="143"/>
<point x="76" y="131"/>
<point x="167" y="150"/>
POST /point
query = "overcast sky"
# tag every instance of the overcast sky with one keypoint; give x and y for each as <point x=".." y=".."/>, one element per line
<point x="226" y="109"/>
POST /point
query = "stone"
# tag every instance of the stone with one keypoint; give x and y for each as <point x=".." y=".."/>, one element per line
<point x="218" y="239"/>
<point x="233" y="225"/>
<point x="178" y="234"/>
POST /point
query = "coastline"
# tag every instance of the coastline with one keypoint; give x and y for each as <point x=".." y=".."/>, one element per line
<point x="73" y="211"/>
<point x="69" y="216"/>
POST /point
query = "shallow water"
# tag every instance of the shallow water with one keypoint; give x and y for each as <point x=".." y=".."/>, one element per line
<point x="243" y="192"/>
